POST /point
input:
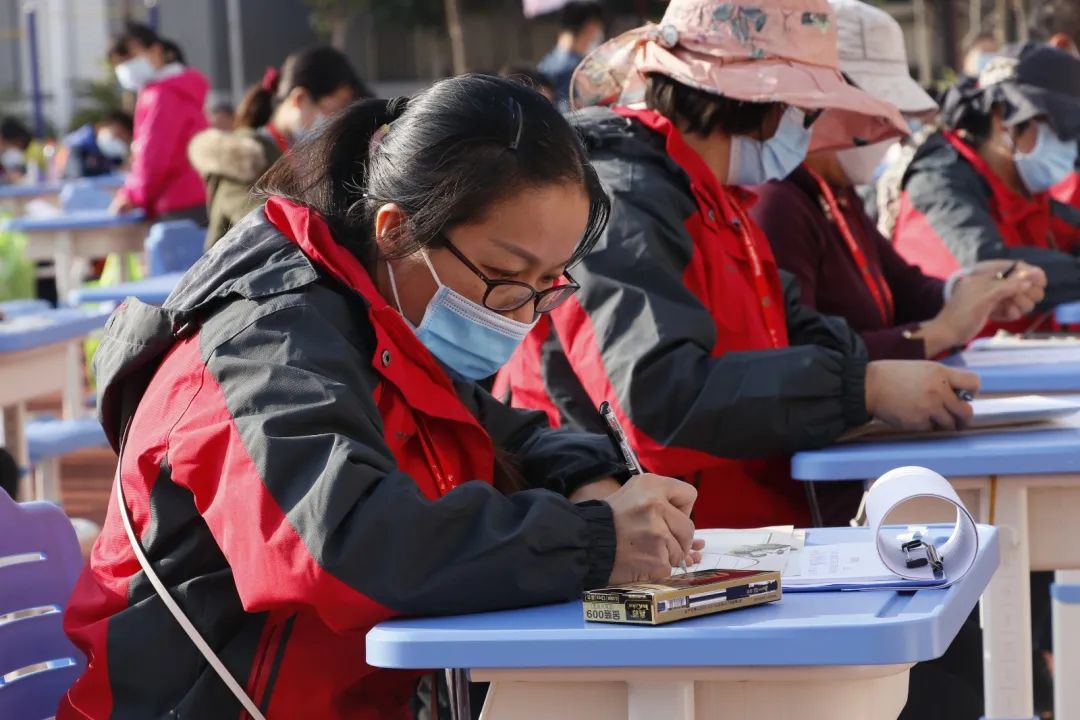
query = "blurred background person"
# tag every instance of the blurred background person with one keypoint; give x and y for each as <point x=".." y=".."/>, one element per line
<point x="22" y="157"/>
<point x="168" y="114"/>
<point x="223" y="117"/>
<point x="98" y="148"/>
<point x="978" y="190"/>
<point x="978" y="53"/>
<point x="282" y="109"/>
<point x="581" y="30"/>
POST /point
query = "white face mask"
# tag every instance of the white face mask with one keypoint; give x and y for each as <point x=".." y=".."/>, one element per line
<point x="13" y="159"/>
<point x="135" y="74"/>
<point x="861" y="164"/>
<point x="112" y="146"/>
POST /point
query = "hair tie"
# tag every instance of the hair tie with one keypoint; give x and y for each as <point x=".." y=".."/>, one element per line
<point x="397" y="107"/>
<point x="270" y="79"/>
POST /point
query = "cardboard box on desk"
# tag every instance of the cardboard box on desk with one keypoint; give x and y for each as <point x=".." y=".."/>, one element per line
<point x="681" y="596"/>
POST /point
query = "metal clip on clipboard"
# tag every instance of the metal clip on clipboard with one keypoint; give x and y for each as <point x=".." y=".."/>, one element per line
<point x="918" y="553"/>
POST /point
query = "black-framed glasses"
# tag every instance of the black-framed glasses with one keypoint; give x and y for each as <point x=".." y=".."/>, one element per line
<point x="508" y="295"/>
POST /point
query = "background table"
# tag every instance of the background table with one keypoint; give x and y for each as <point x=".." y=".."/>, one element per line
<point x="41" y="355"/>
<point x="1027" y="483"/>
<point x="999" y="376"/>
<point x="153" y="291"/>
<point x="1068" y="314"/>
<point x="66" y="238"/>
<point x="816" y="656"/>
<point x="17" y="195"/>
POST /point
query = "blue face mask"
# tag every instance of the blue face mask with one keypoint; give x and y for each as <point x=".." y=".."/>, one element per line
<point x="1048" y="163"/>
<point x="752" y="162"/>
<point x="471" y="341"/>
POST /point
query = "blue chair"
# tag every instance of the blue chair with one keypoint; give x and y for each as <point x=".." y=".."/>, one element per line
<point x="173" y="246"/>
<point x="39" y="563"/>
<point x="49" y="440"/>
<point x="84" y="196"/>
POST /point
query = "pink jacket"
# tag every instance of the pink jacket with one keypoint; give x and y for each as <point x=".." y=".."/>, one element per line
<point x="168" y="113"/>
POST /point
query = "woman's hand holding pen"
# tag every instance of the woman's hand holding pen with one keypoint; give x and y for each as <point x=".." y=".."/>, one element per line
<point x="653" y="530"/>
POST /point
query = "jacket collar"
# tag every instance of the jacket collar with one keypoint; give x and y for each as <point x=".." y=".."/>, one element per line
<point x="399" y="353"/>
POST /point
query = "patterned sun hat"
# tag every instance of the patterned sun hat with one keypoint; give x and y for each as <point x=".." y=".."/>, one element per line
<point x="769" y="51"/>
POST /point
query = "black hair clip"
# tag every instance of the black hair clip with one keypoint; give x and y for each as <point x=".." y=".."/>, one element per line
<point x="519" y="115"/>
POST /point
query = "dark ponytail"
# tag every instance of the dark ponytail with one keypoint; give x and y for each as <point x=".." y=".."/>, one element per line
<point x="257" y="107"/>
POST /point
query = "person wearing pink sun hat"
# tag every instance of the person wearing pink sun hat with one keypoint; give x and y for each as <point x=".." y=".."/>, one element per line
<point x="683" y="321"/>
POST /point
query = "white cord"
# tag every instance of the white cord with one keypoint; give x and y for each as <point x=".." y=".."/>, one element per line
<point x="163" y="593"/>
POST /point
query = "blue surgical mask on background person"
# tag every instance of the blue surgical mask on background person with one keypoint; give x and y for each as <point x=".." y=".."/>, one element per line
<point x="752" y="162"/>
<point x="135" y="74"/>
<point x="470" y="340"/>
<point x="1048" y="163"/>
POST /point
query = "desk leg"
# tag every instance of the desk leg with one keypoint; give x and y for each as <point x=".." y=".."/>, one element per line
<point x="1006" y="608"/>
<point x="1066" y="650"/>
<point x="64" y="262"/>
<point x="15" y="443"/>
<point x="74" y="384"/>
<point x="673" y="699"/>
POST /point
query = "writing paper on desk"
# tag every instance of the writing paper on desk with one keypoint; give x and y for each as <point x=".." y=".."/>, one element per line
<point x="882" y="564"/>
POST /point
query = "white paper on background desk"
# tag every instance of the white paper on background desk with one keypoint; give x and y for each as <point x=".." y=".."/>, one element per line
<point x="988" y="413"/>
<point x="1021" y="356"/>
<point x="1008" y="341"/>
<point x="883" y="562"/>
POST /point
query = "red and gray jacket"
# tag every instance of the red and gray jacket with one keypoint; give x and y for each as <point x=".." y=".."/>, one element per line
<point x="299" y="468"/>
<point x="669" y="326"/>
<point x="955" y="211"/>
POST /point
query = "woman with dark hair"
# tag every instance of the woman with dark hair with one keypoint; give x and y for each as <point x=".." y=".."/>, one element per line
<point x="979" y="190"/>
<point x="303" y="450"/>
<point x="285" y="106"/>
<point x="168" y="113"/>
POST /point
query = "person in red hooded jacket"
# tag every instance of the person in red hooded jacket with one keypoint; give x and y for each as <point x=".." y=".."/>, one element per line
<point x="168" y="114"/>
<point x="980" y="189"/>
<point x="303" y="451"/>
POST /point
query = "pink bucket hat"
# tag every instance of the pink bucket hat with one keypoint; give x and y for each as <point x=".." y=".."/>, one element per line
<point x="770" y="51"/>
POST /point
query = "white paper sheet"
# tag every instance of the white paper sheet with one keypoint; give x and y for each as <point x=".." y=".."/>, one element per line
<point x="902" y="485"/>
<point x="882" y="563"/>
<point x="759" y="549"/>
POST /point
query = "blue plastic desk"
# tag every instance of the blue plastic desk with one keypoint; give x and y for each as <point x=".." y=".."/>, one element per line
<point x="67" y="239"/>
<point x="1068" y="314"/>
<point x="1047" y="377"/>
<point x="49" y="327"/>
<point x="41" y="355"/>
<point x="89" y="220"/>
<point x="152" y="291"/>
<point x="19" y="308"/>
<point x="20" y="191"/>
<point x="1027" y="481"/>
<point x="831" y="637"/>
